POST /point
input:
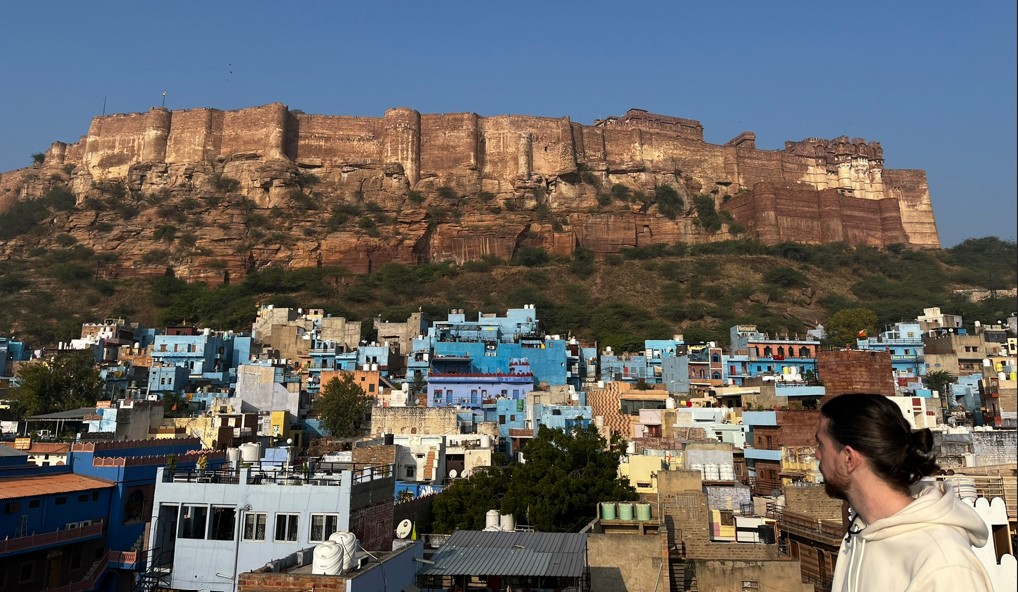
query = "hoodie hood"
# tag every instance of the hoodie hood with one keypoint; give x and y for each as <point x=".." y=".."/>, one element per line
<point x="936" y="503"/>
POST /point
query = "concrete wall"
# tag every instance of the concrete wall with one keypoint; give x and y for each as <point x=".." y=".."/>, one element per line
<point x="626" y="563"/>
<point x="729" y="575"/>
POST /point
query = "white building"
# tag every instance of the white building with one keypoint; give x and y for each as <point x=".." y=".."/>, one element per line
<point x="206" y="529"/>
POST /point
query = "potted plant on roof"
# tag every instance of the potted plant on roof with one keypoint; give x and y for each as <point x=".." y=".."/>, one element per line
<point x="202" y="463"/>
<point x="171" y="465"/>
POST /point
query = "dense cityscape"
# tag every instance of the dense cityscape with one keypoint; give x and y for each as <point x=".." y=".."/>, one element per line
<point x="467" y="452"/>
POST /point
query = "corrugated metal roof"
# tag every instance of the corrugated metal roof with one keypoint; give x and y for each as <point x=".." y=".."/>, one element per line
<point x="70" y="414"/>
<point x="18" y="487"/>
<point x="474" y="552"/>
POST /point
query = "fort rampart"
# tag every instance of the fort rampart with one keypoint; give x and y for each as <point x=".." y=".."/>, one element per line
<point x="814" y="190"/>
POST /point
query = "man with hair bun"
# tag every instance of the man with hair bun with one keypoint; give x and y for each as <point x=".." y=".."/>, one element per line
<point x="904" y="534"/>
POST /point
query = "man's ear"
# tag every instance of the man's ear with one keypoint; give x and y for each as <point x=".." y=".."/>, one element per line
<point x="853" y="459"/>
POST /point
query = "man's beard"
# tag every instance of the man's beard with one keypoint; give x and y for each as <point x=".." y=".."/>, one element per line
<point x="834" y="491"/>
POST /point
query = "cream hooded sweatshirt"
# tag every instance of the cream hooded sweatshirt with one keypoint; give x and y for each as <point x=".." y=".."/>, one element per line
<point x="927" y="546"/>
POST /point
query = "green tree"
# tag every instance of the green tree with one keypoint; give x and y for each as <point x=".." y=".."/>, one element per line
<point x="940" y="381"/>
<point x="565" y="475"/>
<point x="68" y="381"/>
<point x="344" y="407"/>
<point x="844" y="326"/>
<point x="556" y="490"/>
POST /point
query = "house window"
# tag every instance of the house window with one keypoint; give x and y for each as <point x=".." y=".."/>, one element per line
<point x="193" y="521"/>
<point x="411" y="472"/>
<point x="322" y="526"/>
<point x="223" y="523"/>
<point x="61" y="501"/>
<point x="286" y="527"/>
<point x="83" y="498"/>
<point x="75" y="560"/>
<point x="254" y="526"/>
<point x="750" y="586"/>
<point x="33" y="503"/>
<point x="26" y="572"/>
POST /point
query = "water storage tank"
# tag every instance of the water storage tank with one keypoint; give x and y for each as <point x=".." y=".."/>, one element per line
<point x="643" y="512"/>
<point x="631" y="448"/>
<point x="250" y="452"/>
<point x="607" y="510"/>
<point x="966" y="487"/>
<point x="491" y="518"/>
<point x="726" y="472"/>
<point x="485" y="441"/>
<point x="711" y="472"/>
<point x="697" y="467"/>
<point x="326" y="559"/>
<point x="625" y="511"/>
<point x="506" y="523"/>
<point x="348" y="542"/>
<point x="233" y="454"/>
<point x="669" y="403"/>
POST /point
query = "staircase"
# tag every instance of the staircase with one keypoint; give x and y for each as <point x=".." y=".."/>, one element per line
<point x="682" y="576"/>
<point x="155" y="577"/>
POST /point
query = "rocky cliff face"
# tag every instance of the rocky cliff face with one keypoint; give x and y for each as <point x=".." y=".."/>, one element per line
<point x="216" y="193"/>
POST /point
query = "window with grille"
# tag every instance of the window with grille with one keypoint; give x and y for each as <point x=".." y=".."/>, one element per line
<point x="254" y="526"/>
<point x="322" y="526"/>
<point x="750" y="586"/>
<point x="286" y="527"/>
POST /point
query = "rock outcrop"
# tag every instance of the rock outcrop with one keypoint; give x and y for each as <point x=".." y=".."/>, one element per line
<point x="216" y="193"/>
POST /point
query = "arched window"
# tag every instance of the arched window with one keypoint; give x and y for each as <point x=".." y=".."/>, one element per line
<point x="804" y="352"/>
<point x="768" y="352"/>
<point x="715" y="358"/>
<point x="717" y="376"/>
<point x="134" y="509"/>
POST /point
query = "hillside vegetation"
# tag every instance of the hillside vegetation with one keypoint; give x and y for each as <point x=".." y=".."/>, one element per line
<point x="698" y="291"/>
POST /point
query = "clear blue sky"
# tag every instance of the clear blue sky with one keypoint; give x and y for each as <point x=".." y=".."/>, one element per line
<point x="934" y="82"/>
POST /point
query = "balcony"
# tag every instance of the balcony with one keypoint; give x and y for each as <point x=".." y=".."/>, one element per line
<point x="50" y="539"/>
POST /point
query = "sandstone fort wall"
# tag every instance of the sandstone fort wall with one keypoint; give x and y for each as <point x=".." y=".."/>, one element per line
<point x="814" y="190"/>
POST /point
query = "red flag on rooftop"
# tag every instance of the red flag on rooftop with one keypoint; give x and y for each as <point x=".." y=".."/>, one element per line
<point x="862" y="334"/>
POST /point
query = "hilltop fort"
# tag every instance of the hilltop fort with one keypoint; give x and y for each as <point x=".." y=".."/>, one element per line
<point x="412" y="187"/>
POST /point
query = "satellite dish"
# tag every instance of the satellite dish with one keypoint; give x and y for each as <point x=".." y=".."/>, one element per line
<point x="452" y="474"/>
<point x="403" y="528"/>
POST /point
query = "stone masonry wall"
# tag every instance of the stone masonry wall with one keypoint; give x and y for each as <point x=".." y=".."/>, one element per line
<point x="855" y="371"/>
<point x="413" y="420"/>
<point x="289" y="582"/>
<point x="995" y="448"/>
<point x="813" y="501"/>
<point x="473" y="153"/>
